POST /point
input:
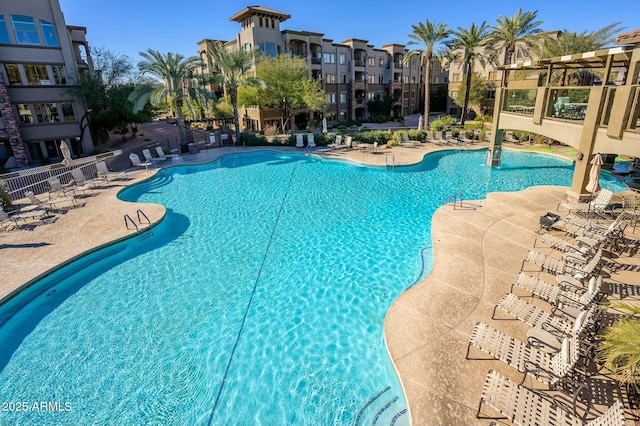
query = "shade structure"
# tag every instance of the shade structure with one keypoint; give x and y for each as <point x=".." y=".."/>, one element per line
<point x="66" y="153"/>
<point x="594" y="174"/>
<point x="420" y="122"/>
<point x="324" y="125"/>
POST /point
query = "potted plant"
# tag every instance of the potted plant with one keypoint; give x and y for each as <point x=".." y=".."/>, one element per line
<point x="270" y="131"/>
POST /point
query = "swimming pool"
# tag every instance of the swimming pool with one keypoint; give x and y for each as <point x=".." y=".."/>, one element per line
<point x="259" y="300"/>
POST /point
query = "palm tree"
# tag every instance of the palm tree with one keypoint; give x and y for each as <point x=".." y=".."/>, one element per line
<point x="470" y="46"/>
<point x="521" y="27"/>
<point x="432" y="36"/>
<point x="568" y="42"/>
<point x="232" y="67"/>
<point x="172" y="69"/>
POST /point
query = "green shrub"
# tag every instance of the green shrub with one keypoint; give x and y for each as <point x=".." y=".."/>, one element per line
<point x="443" y="123"/>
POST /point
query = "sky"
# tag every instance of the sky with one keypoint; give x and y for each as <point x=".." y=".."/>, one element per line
<point x="131" y="26"/>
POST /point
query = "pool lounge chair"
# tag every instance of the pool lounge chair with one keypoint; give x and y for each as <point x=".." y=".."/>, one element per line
<point x="104" y="172"/>
<point x="549" y="328"/>
<point x="462" y="137"/>
<point x="560" y="295"/>
<point x="152" y="159"/>
<point x="572" y="263"/>
<point x="50" y="204"/>
<point x="311" y="141"/>
<point x="135" y="161"/>
<point x="58" y="190"/>
<point x="299" y="141"/>
<point x="438" y="139"/>
<point x="82" y="180"/>
<point x="337" y="144"/>
<point x="7" y="219"/>
<point x="525" y="407"/>
<point x="406" y="142"/>
<point x="596" y="206"/>
<point x="547" y="368"/>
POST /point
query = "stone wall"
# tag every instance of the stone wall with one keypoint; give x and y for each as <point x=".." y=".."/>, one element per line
<point x="11" y="129"/>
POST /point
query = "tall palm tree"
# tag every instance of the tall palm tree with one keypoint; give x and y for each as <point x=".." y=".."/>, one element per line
<point x="232" y="67"/>
<point x="470" y="46"/>
<point x="172" y="69"/>
<point x="521" y="27"/>
<point x="568" y="42"/>
<point x="432" y="37"/>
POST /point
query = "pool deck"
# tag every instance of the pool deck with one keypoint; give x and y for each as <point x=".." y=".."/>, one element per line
<point x="478" y="249"/>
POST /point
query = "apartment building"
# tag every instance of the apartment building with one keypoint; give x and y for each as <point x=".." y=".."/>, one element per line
<point x="352" y="72"/>
<point x="40" y="57"/>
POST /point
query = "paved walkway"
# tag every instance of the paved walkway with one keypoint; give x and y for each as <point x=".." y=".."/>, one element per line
<point x="478" y="251"/>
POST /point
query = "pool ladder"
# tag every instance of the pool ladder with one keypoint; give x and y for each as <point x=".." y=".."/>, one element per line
<point x="393" y="161"/>
<point x="453" y="198"/>
<point x="143" y="233"/>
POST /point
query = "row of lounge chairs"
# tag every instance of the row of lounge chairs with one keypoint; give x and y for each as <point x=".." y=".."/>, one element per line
<point x="561" y="340"/>
<point x="60" y="197"/>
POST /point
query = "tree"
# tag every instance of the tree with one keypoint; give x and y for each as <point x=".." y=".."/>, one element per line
<point x="287" y="86"/>
<point x="114" y="68"/>
<point x="521" y="27"/>
<point x="568" y="42"/>
<point x="172" y="69"/>
<point x="477" y="93"/>
<point x="232" y="67"/>
<point x="432" y="36"/>
<point x="470" y="46"/>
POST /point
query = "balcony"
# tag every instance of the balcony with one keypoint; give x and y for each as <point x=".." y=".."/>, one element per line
<point x="316" y="61"/>
<point x="359" y="62"/>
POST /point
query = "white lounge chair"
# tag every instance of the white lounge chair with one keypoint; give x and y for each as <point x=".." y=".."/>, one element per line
<point x="104" y="172"/>
<point x="57" y="189"/>
<point x="337" y="144"/>
<point x="525" y="407"/>
<point x="439" y="139"/>
<point x="311" y="141"/>
<point x="135" y="161"/>
<point x="547" y="368"/>
<point x="152" y="159"/>
<point x="82" y="180"/>
<point x="557" y="295"/>
<point x="299" y="141"/>
<point x="596" y="206"/>
<point x="462" y="137"/>
<point x="51" y="203"/>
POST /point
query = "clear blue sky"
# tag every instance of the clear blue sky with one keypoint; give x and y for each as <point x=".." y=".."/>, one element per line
<point x="132" y="26"/>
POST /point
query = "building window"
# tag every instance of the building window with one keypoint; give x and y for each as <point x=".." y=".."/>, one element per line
<point x="260" y="22"/>
<point x="405" y="95"/>
<point x="343" y="78"/>
<point x="25" y="114"/>
<point x="371" y="61"/>
<point x="491" y="94"/>
<point x="406" y="79"/>
<point x="268" y="49"/>
<point x="13" y="74"/>
<point x="371" y="78"/>
<point x="329" y="58"/>
<point x="59" y="76"/>
<point x="454" y="94"/>
<point x="371" y="95"/>
<point x="493" y="75"/>
<point x="247" y="46"/>
<point x="455" y="77"/>
<point x="343" y="115"/>
<point x="331" y="98"/>
<point x="413" y="79"/>
<point x="343" y="58"/>
<point x="4" y="34"/>
<point x="47" y="113"/>
<point x="36" y="75"/>
<point x="381" y="62"/>
<point x="413" y="64"/>
<point x="380" y="79"/>
<point x="343" y="98"/>
<point x="413" y="94"/>
<point x="25" y="30"/>
<point x="330" y="78"/>
<point x="67" y="111"/>
<point x="49" y="33"/>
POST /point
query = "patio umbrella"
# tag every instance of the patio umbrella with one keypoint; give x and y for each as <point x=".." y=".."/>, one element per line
<point x="594" y="178"/>
<point x="324" y="125"/>
<point x="420" y="122"/>
<point x="66" y="153"/>
<point x="594" y="174"/>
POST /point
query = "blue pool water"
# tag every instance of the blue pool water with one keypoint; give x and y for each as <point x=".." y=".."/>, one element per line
<point x="260" y="299"/>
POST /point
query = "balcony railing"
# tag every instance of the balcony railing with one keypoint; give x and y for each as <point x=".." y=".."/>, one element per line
<point x="568" y="103"/>
<point x="359" y="62"/>
<point x="316" y="61"/>
<point x="520" y="101"/>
